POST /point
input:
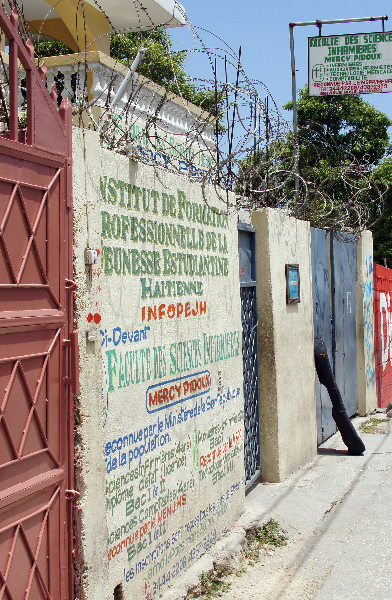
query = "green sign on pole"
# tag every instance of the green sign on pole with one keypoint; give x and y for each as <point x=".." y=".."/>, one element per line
<point x="358" y="63"/>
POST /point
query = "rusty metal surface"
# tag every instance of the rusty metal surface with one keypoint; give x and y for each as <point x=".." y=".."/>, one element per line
<point x="36" y="458"/>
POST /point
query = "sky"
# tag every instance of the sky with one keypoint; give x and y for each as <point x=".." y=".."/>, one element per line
<point x="261" y="28"/>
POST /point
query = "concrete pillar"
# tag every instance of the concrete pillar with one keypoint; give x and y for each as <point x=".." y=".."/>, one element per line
<point x="286" y="347"/>
<point x="366" y="373"/>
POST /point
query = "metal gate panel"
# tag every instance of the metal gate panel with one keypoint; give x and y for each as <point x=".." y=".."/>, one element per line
<point x="344" y="318"/>
<point x="382" y="278"/>
<point x="28" y="539"/>
<point x="326" y="425"/>
<point x="36" y="461"/>
<point x="246" y="249"/>
<point x="33" y="398"/>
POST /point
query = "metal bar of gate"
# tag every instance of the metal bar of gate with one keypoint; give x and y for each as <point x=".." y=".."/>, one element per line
<point x="247" y="259"/>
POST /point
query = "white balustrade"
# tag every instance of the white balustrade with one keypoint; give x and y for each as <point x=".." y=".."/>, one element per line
<point x="116" y="86"/>
<point x="67" y="71"/>
<point x="81" y="83"/>
<point x="50" y="75"/>
<point x="141" y="100"/>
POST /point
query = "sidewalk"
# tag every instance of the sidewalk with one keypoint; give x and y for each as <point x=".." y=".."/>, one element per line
<point x="337" y="514"/>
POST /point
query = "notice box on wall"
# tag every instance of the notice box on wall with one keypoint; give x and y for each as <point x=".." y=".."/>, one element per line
<point x="292" y="284"/>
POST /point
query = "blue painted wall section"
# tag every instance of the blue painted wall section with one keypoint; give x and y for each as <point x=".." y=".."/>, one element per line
<point x="368" y="300"/>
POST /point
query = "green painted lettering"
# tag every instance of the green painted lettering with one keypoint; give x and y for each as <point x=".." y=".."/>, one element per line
<point x="112" y="361"/>
<point x="105" y="232"/>
<point x="102" y="185"/>
<point x="107" y="255"/>
<point x="112" y="197"/>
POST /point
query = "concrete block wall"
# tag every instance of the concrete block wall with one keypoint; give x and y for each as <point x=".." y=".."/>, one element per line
<point x="366" y="372"/>
<point x="160" y="455"/>
<point x="286" y="347"/>
<point x="162" y="476"/>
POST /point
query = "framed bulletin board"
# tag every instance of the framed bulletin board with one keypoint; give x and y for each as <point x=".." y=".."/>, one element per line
<point x="293" y="294"/>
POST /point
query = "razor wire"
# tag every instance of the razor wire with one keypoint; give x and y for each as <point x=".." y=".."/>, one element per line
<point x="246" y="147"/>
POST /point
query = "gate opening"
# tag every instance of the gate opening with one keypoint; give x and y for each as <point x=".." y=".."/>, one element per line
<point x="247" y="264"/>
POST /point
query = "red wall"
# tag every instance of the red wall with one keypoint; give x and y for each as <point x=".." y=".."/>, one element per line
<point x="383" y="333"/>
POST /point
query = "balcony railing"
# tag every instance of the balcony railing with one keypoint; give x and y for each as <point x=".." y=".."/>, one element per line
<point x="147" y="123"/>
<point x="93" y="78"/>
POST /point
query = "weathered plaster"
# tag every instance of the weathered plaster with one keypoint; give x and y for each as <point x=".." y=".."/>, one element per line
<point x="286" y="346"/>
<point x="366" y="373"/>
<point x="155" y="493"/>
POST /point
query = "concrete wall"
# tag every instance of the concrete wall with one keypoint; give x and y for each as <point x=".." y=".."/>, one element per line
<point x="160" y="415"/>
<point x="160" y="430"/>
<point x="286" y="348"/>
<point x="366" y="373"/>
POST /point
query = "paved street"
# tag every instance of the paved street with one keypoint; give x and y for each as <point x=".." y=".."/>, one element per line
<point x="336" y="511"/>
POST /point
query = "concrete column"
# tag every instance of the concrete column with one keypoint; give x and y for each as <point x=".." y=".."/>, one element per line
<point x="366" y="373"/>
<point x="286" y="346"/>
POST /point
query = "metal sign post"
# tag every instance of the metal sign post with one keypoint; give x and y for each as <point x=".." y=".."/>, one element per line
<point x="318" y="24"/>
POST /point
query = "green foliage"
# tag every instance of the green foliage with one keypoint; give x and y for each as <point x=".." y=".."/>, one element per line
<point x="381" y="216"/>
<point x="212" y="584"/>
<point x="160" y="64"/>
<point x="336" y="128"/>
<point x="341" y="140"/>
<point x="53" y="48"/>
<point x="374" y="425"/>
<point x="270" y="535"/>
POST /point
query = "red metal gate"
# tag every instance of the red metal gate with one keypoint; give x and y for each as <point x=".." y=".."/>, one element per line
<point x="36" y="426"/>
<point x="382" y="278"/>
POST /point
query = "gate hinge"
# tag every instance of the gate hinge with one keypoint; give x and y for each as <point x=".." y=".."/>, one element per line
<point x="71" y="285"/>
<point x="72" y="495"/>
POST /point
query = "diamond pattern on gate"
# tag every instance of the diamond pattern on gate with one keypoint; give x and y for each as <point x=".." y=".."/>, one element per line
<point x="24" y="568"/>
<point x="21" y="428"/>
<point x="23" y="262"/>
<point x="251" y="381"/>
